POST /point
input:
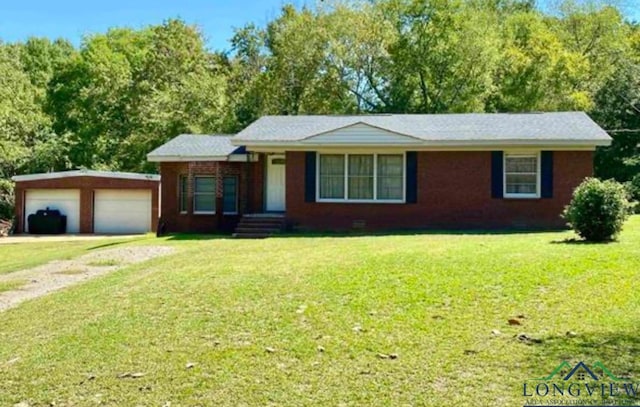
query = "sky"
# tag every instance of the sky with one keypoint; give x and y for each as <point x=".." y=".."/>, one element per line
<point x="72" y="19"/>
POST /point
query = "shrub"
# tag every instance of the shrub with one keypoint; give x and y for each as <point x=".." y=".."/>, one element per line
<point x="6" y="199"/>
<point x="598" y="209"/>
<point x="633" y="187"/>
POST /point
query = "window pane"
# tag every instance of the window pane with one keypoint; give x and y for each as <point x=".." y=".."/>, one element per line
<point x="522" y="183"/>
<point x="390" y="187"/>
<point x="205" y="184"/>
<point x="390" y="165"/>
<point x="521" y="175"/>
<point x="204" y="194"/>
<point x="390" y="170"/>
<point x="360" y="176"/>
<point x="183" y="193"/>
<point x="361" y="165"/>
<point x="230" y="194"/>
<point x="522" y="164"/>
<point x="204" y="203"/>
<point x="332" y="176"/>
<point x="332" y="164"/>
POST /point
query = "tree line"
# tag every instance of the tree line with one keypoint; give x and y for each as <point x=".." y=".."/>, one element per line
<point x="107" y="102"/>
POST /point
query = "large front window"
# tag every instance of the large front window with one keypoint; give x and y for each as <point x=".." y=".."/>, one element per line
<point x="361" y="177"/>
<point x="204" y="194"/>
<point x="521" y="175"/>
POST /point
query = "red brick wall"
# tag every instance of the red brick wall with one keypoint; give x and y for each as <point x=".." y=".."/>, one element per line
<point x="454" y="192"/>
<point x="250" y="190"/>
<point x="86" y="185"/>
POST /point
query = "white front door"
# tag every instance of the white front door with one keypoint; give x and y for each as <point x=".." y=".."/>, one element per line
<point x="275" y="183"/>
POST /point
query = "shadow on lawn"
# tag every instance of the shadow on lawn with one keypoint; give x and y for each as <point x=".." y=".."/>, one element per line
<point x="352" y="234"/>
<point x="102" y="246"/>
<point x="575" y="241"/>
<point x="615" y="350"/>
<point x="420" y="232"/>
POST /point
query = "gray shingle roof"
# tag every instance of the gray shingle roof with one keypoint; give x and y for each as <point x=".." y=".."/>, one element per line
<point x="482" y="127"/>
<point x="195" y="145"/>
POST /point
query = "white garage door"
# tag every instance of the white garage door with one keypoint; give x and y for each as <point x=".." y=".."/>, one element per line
<point x="122" y="211"/>
<point x="67" y="201"/>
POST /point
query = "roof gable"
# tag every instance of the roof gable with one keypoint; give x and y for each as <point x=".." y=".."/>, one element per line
<point x="360" y="133"/>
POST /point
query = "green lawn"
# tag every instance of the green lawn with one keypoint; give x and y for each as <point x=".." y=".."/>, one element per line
<point x="303" y="321"/>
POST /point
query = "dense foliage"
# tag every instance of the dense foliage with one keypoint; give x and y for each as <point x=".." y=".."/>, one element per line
<point x="598" y="209"/>
<point x="108" y="102"/>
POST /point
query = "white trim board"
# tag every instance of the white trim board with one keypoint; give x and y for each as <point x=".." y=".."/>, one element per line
<point x="86" y="173"/>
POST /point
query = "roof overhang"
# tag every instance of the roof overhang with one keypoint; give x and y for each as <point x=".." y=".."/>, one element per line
<point x="86" y="173"/>
<point x="193" y="158"/>
<point x="555" y="144"/>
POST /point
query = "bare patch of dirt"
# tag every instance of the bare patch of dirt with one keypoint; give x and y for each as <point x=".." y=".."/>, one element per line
<point x="59" y="274"/>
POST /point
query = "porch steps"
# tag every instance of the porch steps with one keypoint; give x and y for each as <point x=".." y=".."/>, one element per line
<point x="259" y="226"/>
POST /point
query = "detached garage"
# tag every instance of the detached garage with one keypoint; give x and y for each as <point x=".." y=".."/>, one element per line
<point x="92" y="201"/>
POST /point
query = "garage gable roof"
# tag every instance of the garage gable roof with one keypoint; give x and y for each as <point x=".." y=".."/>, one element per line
<point x="572" y="128"/>
<point x="86" y="173"/>
<point x="197" y="147"/>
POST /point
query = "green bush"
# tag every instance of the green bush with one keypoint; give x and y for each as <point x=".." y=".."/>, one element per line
<point x="633" y="187"/>
<point x="598" y="209"/>
<point x="6" y="199"/>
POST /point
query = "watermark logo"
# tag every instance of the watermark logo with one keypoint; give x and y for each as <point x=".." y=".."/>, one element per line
<point x="581" y="385"/>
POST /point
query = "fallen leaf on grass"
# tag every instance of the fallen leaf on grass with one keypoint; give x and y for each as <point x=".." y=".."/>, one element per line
<point x="131" y="375"/>
<point x="527" y="339"/>
<point x="514" y="321"/>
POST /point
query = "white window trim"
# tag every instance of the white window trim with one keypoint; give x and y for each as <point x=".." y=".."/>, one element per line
<point x="504" y="174"/>
<point x="375" y="179"/>
<point x="196" y="212"/>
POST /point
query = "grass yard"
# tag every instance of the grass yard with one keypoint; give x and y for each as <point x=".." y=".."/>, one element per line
<point x="315" y="320"/>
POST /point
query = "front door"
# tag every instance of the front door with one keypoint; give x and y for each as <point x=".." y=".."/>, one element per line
<point x="275" y="183"/>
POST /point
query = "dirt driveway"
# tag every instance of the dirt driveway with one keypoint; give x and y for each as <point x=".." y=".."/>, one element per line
<point x="59" y="238"/>
<point x="55" y="275"/>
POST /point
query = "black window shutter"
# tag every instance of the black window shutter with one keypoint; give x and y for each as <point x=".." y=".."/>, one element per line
<point x="546" y="174"/>
<point x="310" y="176"/>
<point x="497" y="175"/>
<point x="412" y="177"/>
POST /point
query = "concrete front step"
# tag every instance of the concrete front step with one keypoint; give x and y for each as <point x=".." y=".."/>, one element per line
<point x="243" y="224"/>
<point x="262" y="220"/>
<point x="241" y="229"/>
<point x="251" y="235"/>
<point x="259" y="226"/>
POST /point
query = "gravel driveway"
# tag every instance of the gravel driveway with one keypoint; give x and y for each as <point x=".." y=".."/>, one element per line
<point x="56" y="275"/>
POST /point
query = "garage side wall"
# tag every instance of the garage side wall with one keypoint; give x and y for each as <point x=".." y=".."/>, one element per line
<point x="87" y="186"/>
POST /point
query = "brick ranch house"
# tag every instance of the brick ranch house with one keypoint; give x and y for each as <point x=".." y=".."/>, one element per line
<point x="380" y="172"/>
